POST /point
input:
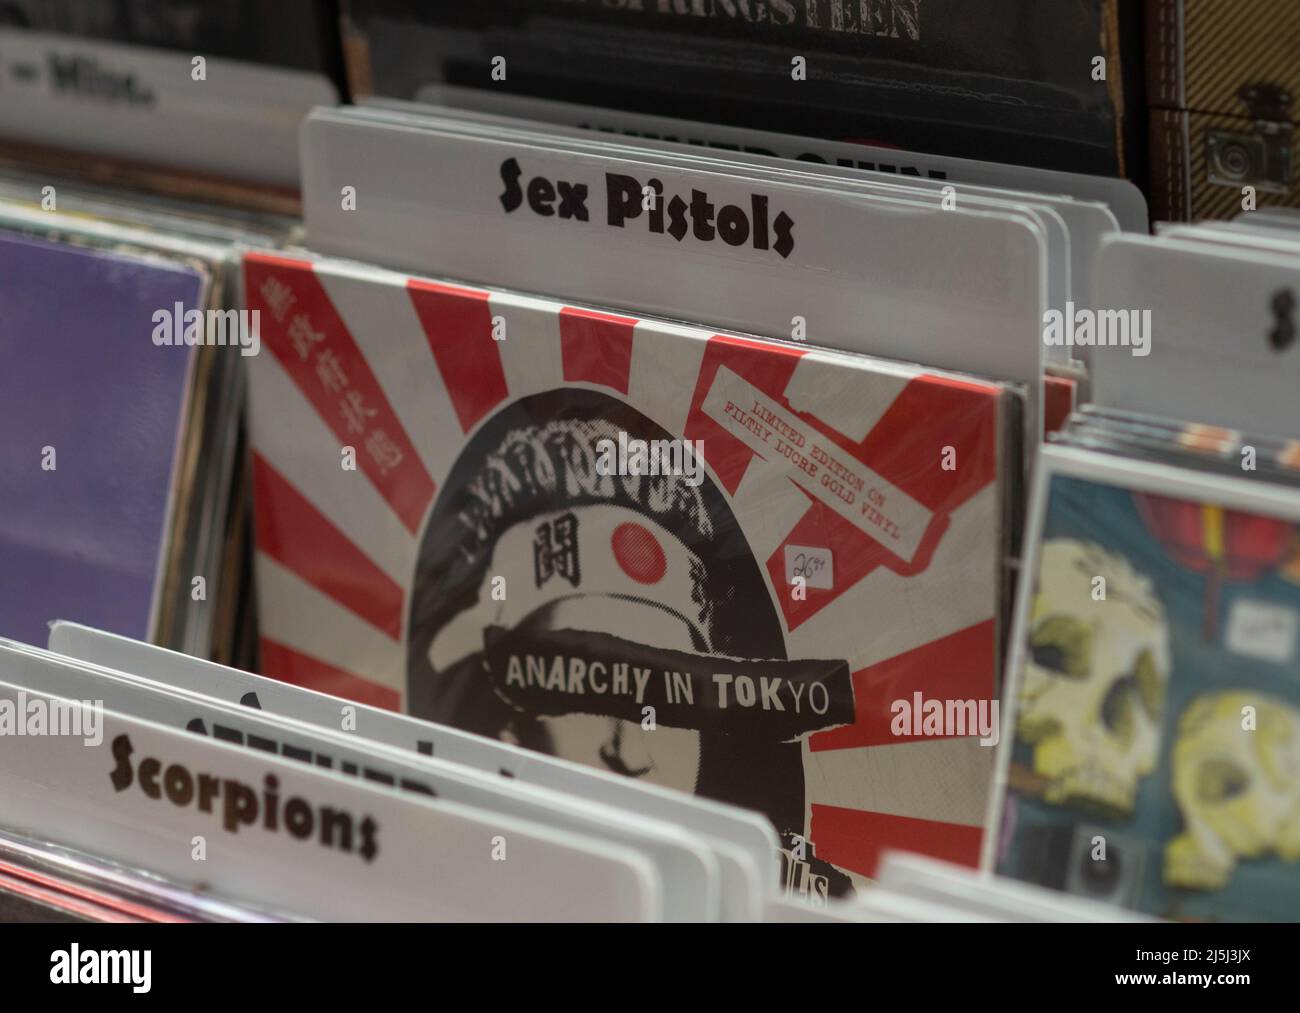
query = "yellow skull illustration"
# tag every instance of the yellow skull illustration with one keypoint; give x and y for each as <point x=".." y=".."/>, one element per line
<point x="1094" y="681"/>
<point x="1237" y="784"/>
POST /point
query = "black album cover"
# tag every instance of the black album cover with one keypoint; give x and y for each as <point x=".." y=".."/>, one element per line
<point x="1013" y="81"/>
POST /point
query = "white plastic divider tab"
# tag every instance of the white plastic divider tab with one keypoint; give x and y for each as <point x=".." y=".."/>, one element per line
<point x="747" y="845"/>
<point x="983" y="893"/>
<point x="685" y="866"/>
<point x="1071" y="229"/>
<point x="287" y="836"/>
<point x="240" y="122"/>
<point x="910" y="280"/>
<point x="1123" y="198"/>
<point x="1219" y="331"/>
<point x="1272" y="218"/>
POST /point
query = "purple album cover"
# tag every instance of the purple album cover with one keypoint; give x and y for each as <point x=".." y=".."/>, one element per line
<point x="91" y="411"/>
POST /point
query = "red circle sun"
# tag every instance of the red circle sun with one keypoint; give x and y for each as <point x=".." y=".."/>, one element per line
<point x="639" y="553"/>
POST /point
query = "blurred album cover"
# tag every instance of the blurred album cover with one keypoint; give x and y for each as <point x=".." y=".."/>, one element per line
<point x="205" y="531"/>
<point x="94" y="414"/>
<point x="1009" y="81"/>
<point x="1156" y="758"/>
<point x="718" y="563"/>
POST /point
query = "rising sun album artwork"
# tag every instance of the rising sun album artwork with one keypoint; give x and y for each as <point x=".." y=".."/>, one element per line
<point x="713" y="562"/>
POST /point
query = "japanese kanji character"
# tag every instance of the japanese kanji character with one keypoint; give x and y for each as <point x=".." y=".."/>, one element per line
<point x="383" y="451"/>
<point x="330" y="372"/>
<point x="278" y="297"/>
<point x="303" y="336"/>
<point x="555" y="550"/>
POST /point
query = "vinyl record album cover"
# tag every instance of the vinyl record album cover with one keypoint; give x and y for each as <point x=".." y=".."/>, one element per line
<point x="1156" y="754"/>
<point x="92" y="410"/>
<point x="719" y="563"/>
<point x="212" y="522"/>
<point x="1003" y="80"/>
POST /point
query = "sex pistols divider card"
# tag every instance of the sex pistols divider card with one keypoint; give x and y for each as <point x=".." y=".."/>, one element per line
<point x="1156" y="754"/>
<point x="743" y="568"/>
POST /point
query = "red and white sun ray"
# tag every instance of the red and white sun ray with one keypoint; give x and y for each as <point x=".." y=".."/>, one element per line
<point x="403" y="370"/>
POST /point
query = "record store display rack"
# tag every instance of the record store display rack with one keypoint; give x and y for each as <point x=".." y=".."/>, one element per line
<point x="657" y="460"/>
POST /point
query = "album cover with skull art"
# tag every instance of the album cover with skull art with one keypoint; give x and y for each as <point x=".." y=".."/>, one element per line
<point x="1155" y="761"/>
<point x="714" y="562"/>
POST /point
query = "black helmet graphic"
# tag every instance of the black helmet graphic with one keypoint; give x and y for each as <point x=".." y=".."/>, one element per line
<point x="553" y="603"/>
